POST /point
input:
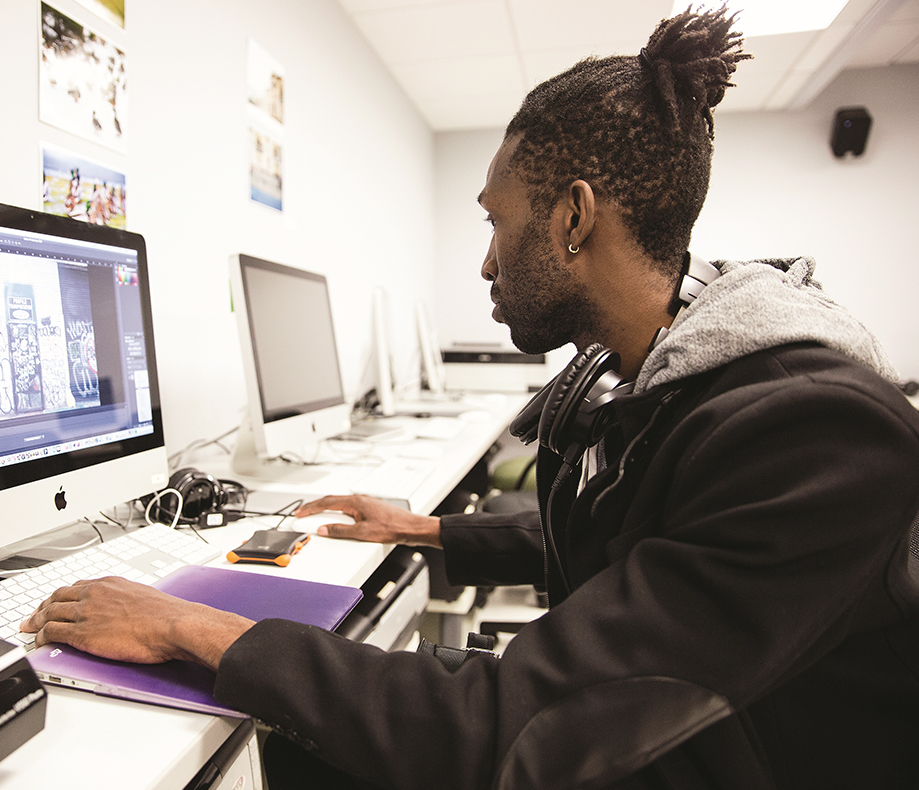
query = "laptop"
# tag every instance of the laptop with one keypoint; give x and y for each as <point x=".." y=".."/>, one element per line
<point x="184" y="684"/>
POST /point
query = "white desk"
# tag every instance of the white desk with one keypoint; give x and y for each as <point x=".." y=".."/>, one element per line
<point x="98" y="743"/>
<point x="341" y="467"/>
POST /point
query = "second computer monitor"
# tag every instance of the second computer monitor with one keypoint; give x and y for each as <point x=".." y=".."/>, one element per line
<point x="296" y="398"/>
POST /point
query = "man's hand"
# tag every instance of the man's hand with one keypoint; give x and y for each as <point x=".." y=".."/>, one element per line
<point x="122" y="620"/>
<point x="375" y="521"/>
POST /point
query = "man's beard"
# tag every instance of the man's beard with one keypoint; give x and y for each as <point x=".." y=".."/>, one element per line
<point x="545" y="307"/>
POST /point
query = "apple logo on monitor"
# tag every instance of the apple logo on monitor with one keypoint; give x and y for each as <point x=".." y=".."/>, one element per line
<point x="60" y="499"/>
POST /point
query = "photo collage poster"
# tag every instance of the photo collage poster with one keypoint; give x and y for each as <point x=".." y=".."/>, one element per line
<point x="83" y="90"/>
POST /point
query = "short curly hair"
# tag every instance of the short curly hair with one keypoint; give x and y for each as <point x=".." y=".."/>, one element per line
<point x="638" y="129"/>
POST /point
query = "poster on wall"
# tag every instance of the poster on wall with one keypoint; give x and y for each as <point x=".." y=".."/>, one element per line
<point x="82" y="189"/>
<point x="265" y="93"/>
<point x="265" y="182"/>
<point x="82" y="81"/>
<point x="265" y="83"/>
<point x="110" y="10"/>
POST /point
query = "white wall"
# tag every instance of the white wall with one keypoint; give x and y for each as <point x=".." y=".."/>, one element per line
<point x="776" y="189"/>
<point x="463" y="302"/>
<point x="464" y="306"/>
<point x="358" y="177"/>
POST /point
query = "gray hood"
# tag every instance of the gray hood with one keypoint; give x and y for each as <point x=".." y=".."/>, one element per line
<point x="751" y="307"/>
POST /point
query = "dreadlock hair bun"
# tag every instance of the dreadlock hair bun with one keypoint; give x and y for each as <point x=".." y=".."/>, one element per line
<point x="692" y="56"/>
<point x="638" y="129"/>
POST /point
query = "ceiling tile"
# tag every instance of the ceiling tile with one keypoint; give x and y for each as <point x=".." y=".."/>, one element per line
<point x="884" y="47"/>
<point x="776" y="53"/>
<point x="363" y="6"/>
<point x="482" y="112"/>
<point x="907" y="12"/>
<point x="791" y="86"/>
<point x="855" y="10"/>
<point x="911" y="54"/>
<point x="588" y="24"/>
<point x="461" y="77"/>
<point x="752" y="88"/>
<point x="824" y="45"/>
<point x="439" y="31"/>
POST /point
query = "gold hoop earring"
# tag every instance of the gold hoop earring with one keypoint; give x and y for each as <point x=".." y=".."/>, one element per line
<point x="573" y="250"/>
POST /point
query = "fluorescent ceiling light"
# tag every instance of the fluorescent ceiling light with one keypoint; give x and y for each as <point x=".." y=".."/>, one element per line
<point x="769" y="17"/>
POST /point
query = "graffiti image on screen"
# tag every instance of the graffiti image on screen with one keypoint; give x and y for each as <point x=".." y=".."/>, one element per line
<point x="47" y="344"/>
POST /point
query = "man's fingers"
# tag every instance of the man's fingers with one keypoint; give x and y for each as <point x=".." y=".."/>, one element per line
<point x="320" y="506"/>
<point x="54" y="631"/>
<point x="335" y="530"/>
<point x="57" y="610"/>
<point x="50" y="608"/>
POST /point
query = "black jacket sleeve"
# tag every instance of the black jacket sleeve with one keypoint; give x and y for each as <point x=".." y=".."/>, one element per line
<point x="486" y="549"/>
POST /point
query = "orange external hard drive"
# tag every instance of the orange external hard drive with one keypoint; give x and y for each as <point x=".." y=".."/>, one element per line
<point x="270" y="545"/>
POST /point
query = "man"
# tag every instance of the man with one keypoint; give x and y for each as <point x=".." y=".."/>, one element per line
<point x="726" y="545"/>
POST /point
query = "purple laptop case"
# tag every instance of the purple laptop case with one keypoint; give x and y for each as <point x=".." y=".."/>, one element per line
<point x="182" y="684"/>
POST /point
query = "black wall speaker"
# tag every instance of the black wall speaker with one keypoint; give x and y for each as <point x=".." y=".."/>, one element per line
<point x="850" y="131"/>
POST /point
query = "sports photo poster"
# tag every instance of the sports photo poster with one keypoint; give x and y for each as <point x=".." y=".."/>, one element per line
<point x="82" y="189"/>
<point x="83" y="86"/>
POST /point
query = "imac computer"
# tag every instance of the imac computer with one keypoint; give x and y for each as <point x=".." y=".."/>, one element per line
<point x="290" y="361"/>
<point x="80" y="423"/>
<point x="382" y="357"/>
<point x="428" y="402"/>
<point x="433" y="378"/>
<point x="432" y="373"/>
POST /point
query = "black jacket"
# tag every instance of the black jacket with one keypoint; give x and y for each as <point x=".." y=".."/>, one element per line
<point x="742" y="610"/>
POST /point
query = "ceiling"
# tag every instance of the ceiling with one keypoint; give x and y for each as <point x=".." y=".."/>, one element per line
<point x="467" y="64"/>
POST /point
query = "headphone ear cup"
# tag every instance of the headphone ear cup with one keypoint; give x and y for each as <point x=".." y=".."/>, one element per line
<point x="557" y="415"/>
<point x="181" y="478"/>
<point x="532" y="422"/>
<point x="164" y="509"/>
<point x="558" y="400"/>
<point x="233" y="493"/>
<point x="525" y="426"/>
<point x="200" y="493"/>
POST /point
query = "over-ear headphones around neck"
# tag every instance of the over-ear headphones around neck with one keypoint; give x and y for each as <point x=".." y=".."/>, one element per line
<point x="573" y="411"/>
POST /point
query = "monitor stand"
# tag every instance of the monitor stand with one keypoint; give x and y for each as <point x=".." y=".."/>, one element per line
<point x="248" y="463"/>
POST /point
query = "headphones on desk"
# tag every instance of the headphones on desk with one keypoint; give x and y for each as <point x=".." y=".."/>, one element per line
<point x="575" y="409"/>
<point x="206" y="501"/>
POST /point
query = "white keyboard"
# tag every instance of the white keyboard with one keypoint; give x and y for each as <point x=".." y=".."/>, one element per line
<point x="397" y="478"/>
<point x="145" y="555"/>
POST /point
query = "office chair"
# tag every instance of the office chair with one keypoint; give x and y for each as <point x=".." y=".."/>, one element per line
<point x="513" y="486"/>
<point x="508" y="609"/>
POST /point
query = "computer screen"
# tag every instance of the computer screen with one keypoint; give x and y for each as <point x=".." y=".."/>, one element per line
<point x="290" y="360"/>
<point x="431" y="376"/>
<point x="382" y="359"/>
<point x="432" y="364"/>
<point x="80" y="422"/>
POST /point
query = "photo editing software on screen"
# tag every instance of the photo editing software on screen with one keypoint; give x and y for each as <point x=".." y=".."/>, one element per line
<point x="73" y="362"/>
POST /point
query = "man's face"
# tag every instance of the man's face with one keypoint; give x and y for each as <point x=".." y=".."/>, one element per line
<point x="534" y="291"/>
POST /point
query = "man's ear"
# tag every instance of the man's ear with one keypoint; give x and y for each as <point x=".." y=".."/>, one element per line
<point x="580" y="214"/>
